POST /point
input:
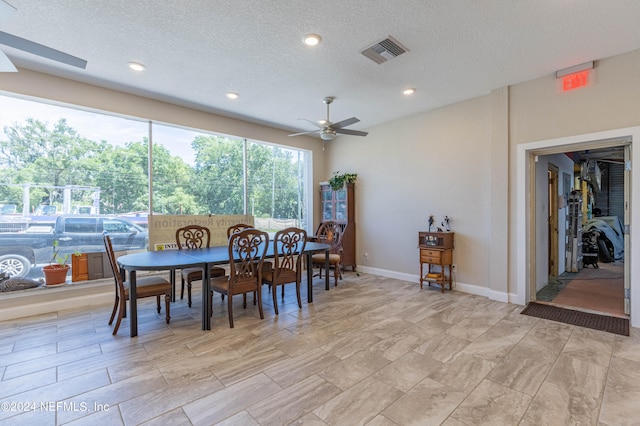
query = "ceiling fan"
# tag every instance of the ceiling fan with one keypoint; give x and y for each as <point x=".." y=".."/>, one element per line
<point x="328" y="130"/>
<point x="6" y="39"/>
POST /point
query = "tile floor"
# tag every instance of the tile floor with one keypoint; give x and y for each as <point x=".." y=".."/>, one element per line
<point x="372" y="351"/>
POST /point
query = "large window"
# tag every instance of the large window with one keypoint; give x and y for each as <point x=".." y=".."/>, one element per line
<point x="56" y="160"/>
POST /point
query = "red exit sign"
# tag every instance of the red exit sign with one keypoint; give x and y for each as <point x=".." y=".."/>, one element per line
<point x="575" y="80"/>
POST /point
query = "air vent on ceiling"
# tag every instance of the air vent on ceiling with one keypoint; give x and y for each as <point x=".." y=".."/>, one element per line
<point x="384" y="50"/>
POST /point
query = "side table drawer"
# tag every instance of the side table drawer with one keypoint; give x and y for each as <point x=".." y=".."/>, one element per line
<point x="430" y="256"/>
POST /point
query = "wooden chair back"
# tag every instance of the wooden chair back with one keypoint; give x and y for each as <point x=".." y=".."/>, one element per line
<point x="114" y="265"/>
<point x="247" y="249"/>
<point x="289" y="245"/>
<point x="193" y="237"/>
<point x="234" y="229"/>
<point x="331" y="233"/>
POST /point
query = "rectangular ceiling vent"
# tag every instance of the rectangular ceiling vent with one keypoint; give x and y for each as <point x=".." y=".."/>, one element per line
<point x="384" y="50"/>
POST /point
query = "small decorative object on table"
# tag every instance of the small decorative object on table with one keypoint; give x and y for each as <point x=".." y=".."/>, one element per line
<point x="431" y="222"/>
<point x="446" y="223"/>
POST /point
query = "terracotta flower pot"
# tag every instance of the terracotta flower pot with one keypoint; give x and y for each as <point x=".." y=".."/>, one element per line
<point x="55" y="274"/>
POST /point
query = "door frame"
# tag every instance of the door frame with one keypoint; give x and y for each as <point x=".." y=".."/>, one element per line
<point x="526" y="154"/>
<point x="553" y="174"/>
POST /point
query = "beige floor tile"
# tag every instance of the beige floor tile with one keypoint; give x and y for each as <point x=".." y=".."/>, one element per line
<point x="353" y="369"/>
<point x="283" y="407"/>
<point x="308" y="420"/>
<point x="407" y="371"/>
<point x="619" y="407"/>
<point x="523" y="369"/>
<point x="492" y="404"/>
<point x="463" y="373"/>
<point x="373" y="350"/>
<point x="358" y="404"/>
<point x="112" y="394"/>
<point x="291" y="370"/>
<point x="557" y="406"/>
<point x="175" y="417"/>
<point x="443" y="347"/>
<point x="241" y="419"/>
<point x="590" y="345"/>
<point x="184" y="385"/>
<point x="54" y="392"/>
<point x="428" y="403"/>
<point x="380" y="421"/>
<point x="396" y="346"/>
<point x="577" y="375"/>
<point x="549" y="335"/>
<point x="346" y="345"/>
<point x="226" y="402"/>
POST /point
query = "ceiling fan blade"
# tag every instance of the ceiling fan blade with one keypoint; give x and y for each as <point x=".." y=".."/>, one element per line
<point x="5" y="64"/>
<point x="40" y="50"/>
<point x="315" y="123"/>
<point x="305" y="133"/>
<point x="351" y="132"/>
<point x="345" y="123"/>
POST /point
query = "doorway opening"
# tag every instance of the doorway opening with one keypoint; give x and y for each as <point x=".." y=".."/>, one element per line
<point x="532" y="266"/>
<point x="589" y="205"/>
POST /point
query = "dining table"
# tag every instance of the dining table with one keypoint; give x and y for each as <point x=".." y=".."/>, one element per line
<point x="171" y="260"/>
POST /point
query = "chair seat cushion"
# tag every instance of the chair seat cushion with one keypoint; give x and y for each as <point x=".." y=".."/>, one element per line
<point x="220" y="284"/>
<point x="149" y="286"/>
<point x="319" y="258"/>
<point x="285" y="276"/>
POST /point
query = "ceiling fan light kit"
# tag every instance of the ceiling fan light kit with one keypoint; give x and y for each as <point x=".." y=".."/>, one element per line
<point x="328" y="130"/>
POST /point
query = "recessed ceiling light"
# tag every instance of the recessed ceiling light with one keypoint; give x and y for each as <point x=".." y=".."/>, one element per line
<point x="311" y="39"/>
<point x="136" y="66"/>
<point x="409" y="91"/>
<point x="232" y="95"/>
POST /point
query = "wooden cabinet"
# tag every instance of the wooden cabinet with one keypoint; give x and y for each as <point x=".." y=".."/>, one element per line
<point x="436" y="251"/>
<point x="339" y="206"/>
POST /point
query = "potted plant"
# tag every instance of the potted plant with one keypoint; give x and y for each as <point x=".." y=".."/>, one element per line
<point x="56" y="271"/>
<point x="337" y="181"/>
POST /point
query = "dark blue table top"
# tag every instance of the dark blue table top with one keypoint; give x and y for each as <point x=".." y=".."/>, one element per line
<point x="179" y="259"/>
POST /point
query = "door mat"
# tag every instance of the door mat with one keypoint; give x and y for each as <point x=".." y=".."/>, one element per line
<point x="583" y="319"/>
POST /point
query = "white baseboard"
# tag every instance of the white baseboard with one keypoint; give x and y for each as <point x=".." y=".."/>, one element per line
<point x="457" y="286"/>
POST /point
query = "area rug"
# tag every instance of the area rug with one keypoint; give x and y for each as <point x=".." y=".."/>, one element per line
<point x="583" y="319"/>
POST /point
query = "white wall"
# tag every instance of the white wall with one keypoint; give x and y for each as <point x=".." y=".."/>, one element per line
<point x="431" y="163"/>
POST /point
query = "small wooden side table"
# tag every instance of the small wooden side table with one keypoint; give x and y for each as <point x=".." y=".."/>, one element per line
<point x="436" y="249"/>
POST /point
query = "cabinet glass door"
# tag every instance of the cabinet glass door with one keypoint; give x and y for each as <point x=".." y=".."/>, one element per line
<point x="340" y="206"/>
<point x="327" y="210"/>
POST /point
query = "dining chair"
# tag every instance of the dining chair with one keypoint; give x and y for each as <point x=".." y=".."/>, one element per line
<point x="145" y="287"/>
<point x="193" y="237"/>
<point x="247" y="249"/>
<point x="330" y="233"/>
<point x="266" y="265"/>
<point x="233" y="229"/>
<point x="288" y="248"/>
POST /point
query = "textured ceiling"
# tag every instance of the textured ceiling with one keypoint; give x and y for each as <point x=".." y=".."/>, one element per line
<point x="198" y="50"/>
